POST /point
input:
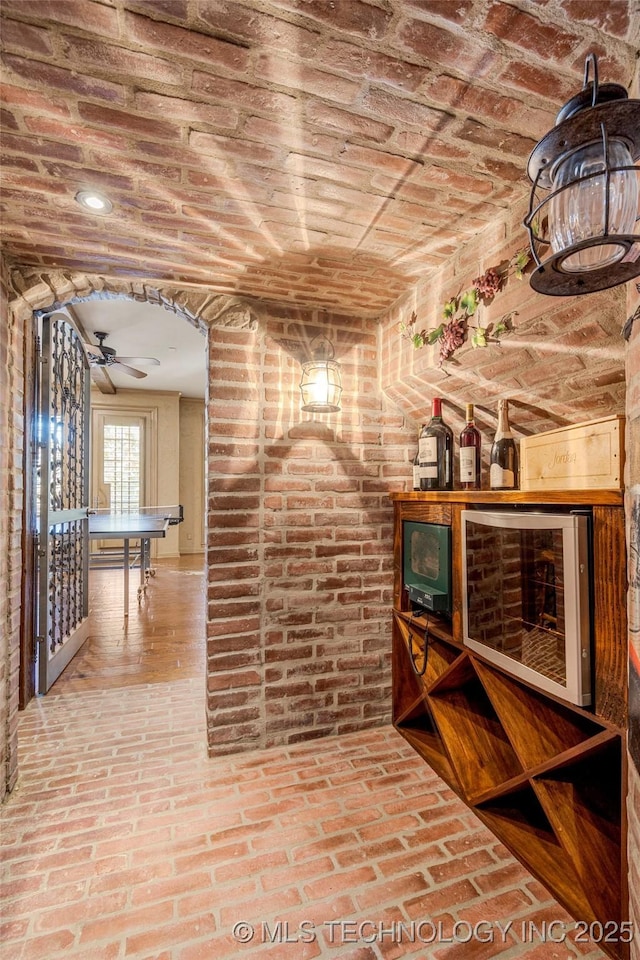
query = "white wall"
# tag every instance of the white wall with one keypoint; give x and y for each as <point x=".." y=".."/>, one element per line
<point x="192" y="432"/>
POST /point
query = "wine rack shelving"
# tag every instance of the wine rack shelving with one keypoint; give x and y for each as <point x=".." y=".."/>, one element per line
<point x="546" y="777"/>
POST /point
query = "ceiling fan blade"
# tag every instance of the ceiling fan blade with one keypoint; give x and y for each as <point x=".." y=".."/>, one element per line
<point x="125" y="368"/>
<point x="139" y="361"/>
<point x="101" y="379"/>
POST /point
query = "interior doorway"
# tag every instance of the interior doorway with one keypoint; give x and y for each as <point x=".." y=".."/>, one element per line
<point x="137" y="428"/>
<point x="37" y="291"/>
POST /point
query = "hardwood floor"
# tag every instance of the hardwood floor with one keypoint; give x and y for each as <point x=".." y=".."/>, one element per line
<point x="163" y="640"/>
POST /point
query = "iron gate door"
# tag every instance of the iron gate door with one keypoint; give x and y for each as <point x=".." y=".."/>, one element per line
<point x="63" y="525"/>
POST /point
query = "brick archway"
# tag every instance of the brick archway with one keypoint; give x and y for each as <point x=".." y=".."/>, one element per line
<point x="36" y="291"/>
<point x="29" y="291"/>
<point x="297" y="630"/>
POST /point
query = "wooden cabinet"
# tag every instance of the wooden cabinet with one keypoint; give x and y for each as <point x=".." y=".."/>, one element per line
<point x="546" y="777"/>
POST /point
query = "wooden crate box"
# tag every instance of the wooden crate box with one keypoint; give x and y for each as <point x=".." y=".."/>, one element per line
<point x="583" y="456"/>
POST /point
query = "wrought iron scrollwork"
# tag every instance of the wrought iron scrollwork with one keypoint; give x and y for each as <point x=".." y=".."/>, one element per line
<point x="68" y="414"/>
<point x="67" y="483"/>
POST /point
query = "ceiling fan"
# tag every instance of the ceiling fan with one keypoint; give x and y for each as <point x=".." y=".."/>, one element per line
<point x="102" y="356"/>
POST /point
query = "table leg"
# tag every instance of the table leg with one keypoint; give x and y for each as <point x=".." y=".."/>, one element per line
<point x="126" y="577"/>
<point x="149" y="570"/>
<point x="144" y="563"/>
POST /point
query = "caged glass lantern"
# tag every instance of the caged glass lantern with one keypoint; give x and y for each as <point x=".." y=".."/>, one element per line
<point x="583" y="211"/>
<point x="321" y="381"/>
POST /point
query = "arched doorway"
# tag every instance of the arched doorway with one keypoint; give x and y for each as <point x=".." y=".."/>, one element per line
<point x="31" y="292"/>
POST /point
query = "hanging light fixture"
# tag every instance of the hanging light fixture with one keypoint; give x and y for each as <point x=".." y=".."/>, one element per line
<point x="588" y="220"/>
<point x="321" y="381"/>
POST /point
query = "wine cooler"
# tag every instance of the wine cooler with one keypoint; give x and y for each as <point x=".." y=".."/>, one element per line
<point x="526" y="597"/>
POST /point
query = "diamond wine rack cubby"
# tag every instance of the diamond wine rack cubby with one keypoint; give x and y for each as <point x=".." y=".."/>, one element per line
<point x="546" y="777"/>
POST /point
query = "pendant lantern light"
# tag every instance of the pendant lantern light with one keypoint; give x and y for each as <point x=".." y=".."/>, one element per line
<point x="587" y="224"/>
<point x="321" y="382"/>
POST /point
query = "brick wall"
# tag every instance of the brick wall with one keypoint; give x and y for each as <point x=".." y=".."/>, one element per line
<point x="300" y="526"/>
<point x="634" y="855"/>
<point x="11" y="428"/>
<point x="632" y="484"/>
<point x="632" y="507"/>
<point x="300" y="536"/>
<point x="562" y="363"/>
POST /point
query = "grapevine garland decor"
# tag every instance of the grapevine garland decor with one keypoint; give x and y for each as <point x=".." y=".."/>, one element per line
<point x="456" y="313"/>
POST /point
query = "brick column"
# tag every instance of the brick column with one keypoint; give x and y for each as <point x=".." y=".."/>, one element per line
<point x="11" y="479"/>
<point x="235" y="547"/>
<point x="633" y="540"/>
<point x="300" y="535"/>
<point x="632" y="505"/>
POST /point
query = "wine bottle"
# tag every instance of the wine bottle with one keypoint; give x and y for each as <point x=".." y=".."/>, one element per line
<point x="503" y="471"/>
<point x="436" y="452"/>
<point x="470" y="443"/>
<point x="416" y="464"/>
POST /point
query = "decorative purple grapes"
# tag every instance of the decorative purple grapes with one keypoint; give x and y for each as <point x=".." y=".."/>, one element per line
<point x="488" y="284"/>
<point x="453" y="336"/>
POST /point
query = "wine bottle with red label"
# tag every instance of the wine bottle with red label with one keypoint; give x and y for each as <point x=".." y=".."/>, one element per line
<point x="470" y="455"/>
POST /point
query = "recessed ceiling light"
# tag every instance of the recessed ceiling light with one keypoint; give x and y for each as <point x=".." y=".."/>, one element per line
<point x="94" y="201"/>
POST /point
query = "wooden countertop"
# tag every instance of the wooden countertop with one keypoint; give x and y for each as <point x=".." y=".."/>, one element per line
<point x="579" y="497"/>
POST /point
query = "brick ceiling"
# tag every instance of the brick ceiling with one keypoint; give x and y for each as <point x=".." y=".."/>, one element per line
<point x="318" y="152"/>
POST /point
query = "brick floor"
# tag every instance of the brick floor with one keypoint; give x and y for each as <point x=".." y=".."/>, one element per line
<point x="122" y="840"/>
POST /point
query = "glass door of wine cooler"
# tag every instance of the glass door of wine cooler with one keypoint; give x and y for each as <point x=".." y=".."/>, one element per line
<point x="526" y="597"/>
